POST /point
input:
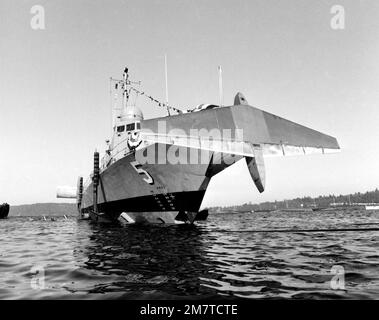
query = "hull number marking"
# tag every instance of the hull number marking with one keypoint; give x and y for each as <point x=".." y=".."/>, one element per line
<point x="137" y="166"/>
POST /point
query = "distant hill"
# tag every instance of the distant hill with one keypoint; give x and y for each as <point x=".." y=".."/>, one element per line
<point x="304" y="202"/>
<point x="44" y="209"/>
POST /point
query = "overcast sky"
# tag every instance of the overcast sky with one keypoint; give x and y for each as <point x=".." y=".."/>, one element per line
<point x="283" y="55"/>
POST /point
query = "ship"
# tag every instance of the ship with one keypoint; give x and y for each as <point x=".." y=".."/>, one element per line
<point x="157" y="170"/>
<point x="4" y="210"/>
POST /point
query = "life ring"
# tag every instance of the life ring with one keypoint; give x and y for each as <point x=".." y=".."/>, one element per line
<point x="134" y="140"/>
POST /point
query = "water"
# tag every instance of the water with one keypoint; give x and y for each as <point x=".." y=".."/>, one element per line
<point x="220" y="258"/>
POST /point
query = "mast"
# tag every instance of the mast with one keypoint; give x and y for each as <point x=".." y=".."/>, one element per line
<point x="220" y="85"/>
<point x="125" y="94"/>
<point x="165" y="72"/>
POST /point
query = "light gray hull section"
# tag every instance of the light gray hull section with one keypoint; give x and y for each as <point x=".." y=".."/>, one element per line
<point x="126" y="186"/>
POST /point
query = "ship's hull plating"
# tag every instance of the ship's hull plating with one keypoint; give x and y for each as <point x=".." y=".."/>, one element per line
<point x="156" y="191"/>
<point x="130" y="185"/>
<point x="4" y="210"/>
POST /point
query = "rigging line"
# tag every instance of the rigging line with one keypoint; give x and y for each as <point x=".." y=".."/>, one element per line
<point x="300" y="230"/>
<point x="110" y="101"/>
<point x="135" y="100"/>
<point x="161" y="104"/>
<point x="165" y="64"/>
<point x="365" y="224"/>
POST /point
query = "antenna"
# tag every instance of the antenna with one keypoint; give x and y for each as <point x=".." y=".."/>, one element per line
<point x="125" y="77"/>
<point x="165" y="72"/>
<point x="220" y="85"/>
<point x="111" y="104"/>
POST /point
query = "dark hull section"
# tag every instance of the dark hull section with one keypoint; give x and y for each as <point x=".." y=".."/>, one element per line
<point x="184" y="201"/>
<point x="4" y="210"/>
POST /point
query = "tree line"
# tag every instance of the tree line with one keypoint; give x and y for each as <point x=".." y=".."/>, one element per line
<point x="308" y="202"/>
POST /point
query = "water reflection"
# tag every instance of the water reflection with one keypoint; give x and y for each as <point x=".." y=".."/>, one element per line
<point x="150" y="261"/>
<point x="223" y="257"/>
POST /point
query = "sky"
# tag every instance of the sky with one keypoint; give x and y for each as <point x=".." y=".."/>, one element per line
<point x="284" y="56"/>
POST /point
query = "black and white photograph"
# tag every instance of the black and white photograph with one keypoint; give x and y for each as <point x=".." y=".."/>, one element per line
<point x="207" y="152"/>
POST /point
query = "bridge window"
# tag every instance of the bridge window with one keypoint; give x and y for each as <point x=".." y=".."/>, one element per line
<point x="121" y="129"/>
<point x="138" y="126"/>
<point x="130" y="127"/>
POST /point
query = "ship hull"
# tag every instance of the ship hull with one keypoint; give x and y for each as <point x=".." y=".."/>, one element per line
<point x="146" y="205"/>
<point x="127" y="184"/>
<point x="4" y="211"/>
<point x="156" y="192"/>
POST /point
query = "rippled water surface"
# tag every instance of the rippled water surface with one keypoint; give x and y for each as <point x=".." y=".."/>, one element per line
<point x="230" y="255"/>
